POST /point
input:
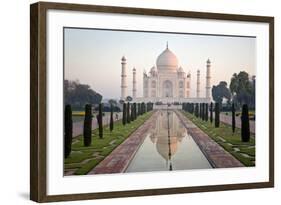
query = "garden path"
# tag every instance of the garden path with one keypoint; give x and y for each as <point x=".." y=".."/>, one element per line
<point x="78" y="126"/>
<point x="228" y="120"/>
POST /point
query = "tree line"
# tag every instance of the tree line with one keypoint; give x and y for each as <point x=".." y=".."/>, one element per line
<point x="78" y="95"/>
<point x="240" y="91"/>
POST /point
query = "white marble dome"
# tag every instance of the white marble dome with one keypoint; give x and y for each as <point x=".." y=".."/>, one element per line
<point x="167" y="61"/>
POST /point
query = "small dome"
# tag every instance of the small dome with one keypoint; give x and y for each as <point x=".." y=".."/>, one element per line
<point x="208" y="61"/>
<point x="180" y="70"/>
<point x="123" y="58"/>
<point x="167" y="61"/>
<point x="153" y="69"/>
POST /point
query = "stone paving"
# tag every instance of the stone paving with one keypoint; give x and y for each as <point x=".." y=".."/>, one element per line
<point x="217" y="156"/>
<point x="228" y="120"/>
<point x="118" y="160"/>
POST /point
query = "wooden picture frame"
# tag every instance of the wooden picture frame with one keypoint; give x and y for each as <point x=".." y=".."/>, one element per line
<point x="38" y="100"/>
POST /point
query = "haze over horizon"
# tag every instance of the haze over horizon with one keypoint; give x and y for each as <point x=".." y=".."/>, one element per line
<point x="94" y="57"/>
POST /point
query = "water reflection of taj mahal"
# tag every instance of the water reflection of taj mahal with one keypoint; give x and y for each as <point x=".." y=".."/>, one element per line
<point x="159" y="135"/>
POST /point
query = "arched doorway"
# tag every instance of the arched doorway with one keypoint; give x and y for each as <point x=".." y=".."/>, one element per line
<point x="167" y="89"/>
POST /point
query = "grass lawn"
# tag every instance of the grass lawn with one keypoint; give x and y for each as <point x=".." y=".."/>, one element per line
<point x="243" y="151"/>
<point x="83" y="159"/>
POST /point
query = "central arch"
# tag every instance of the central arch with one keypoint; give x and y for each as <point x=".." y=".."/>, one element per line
<point x="167" y="89"/>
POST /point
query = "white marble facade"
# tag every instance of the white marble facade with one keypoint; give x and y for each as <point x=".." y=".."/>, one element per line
<point x="167" y="82"/>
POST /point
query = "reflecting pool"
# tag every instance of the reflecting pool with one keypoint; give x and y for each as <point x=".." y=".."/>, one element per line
<point x="168" y="146"/>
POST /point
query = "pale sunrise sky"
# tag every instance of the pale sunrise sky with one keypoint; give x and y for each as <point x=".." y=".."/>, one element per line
<point x="94" y="57"/>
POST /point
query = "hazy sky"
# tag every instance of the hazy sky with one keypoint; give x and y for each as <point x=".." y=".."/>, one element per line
<point x="94" y="57"/>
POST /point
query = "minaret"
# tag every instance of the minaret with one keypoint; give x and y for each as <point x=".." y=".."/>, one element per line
<point x="123" y="79"/>
<point x="134" y="84"/>
<point x="198" y="84"/>
<point x="208" y="80"/>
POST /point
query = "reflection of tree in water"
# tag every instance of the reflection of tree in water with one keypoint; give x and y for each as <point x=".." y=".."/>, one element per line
<point x="159" y="135"/>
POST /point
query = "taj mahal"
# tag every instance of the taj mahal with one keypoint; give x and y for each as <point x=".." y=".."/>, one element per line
<point x="166" y="82"/>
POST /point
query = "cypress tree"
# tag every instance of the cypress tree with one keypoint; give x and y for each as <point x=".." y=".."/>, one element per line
<point x="217" y="115"/>
<point x="139" y="109"/>
<point x="233" y="118"/>
<point x="87" y="132"/>
<point x="135" y="111"/>
<point x="207" y="112"/>
<point x="203" y="111"/>
<point x="197" y="110"/>
<point x="124" y="119"/>
<point x="67" y="130"/>
<point x="128" y="113"/>
<point x="192" y="106"/>
<point x="245" y="124"/>
<point x="132" y="112"/>
<point x="111" y="118"/>
<point x="211" y="112"/>
<point x="100" y="121"/>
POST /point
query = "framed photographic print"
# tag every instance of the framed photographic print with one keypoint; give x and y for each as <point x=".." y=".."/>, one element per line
<point x="134" y="102"/>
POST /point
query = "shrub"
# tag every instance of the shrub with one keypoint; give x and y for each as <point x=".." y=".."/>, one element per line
<point x="217" y="115"/>
<point x="99" y="118"/>
<point x="211" y="112"/>
<point x="203" y="111"/>
<point x="132" y="112"/>
<point x="207" y="112"/>
<point x="124" y="117"/>
<point x="87" y="132"/>
<point x="200" y="108"/>
<point x="111" y="119"/>
<point x="245" y="124"/>
<point x="128" y="113"/>
<point x="197" y="110"/>
<point x="67" y="130"/>
<point x="135" y="111"/>
<point x="233" y="118"/>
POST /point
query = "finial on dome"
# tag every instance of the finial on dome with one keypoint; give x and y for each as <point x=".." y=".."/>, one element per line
<point x="123" y="58"/>
<point x="208" y="61"/>
<point x="167" y="45"/>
